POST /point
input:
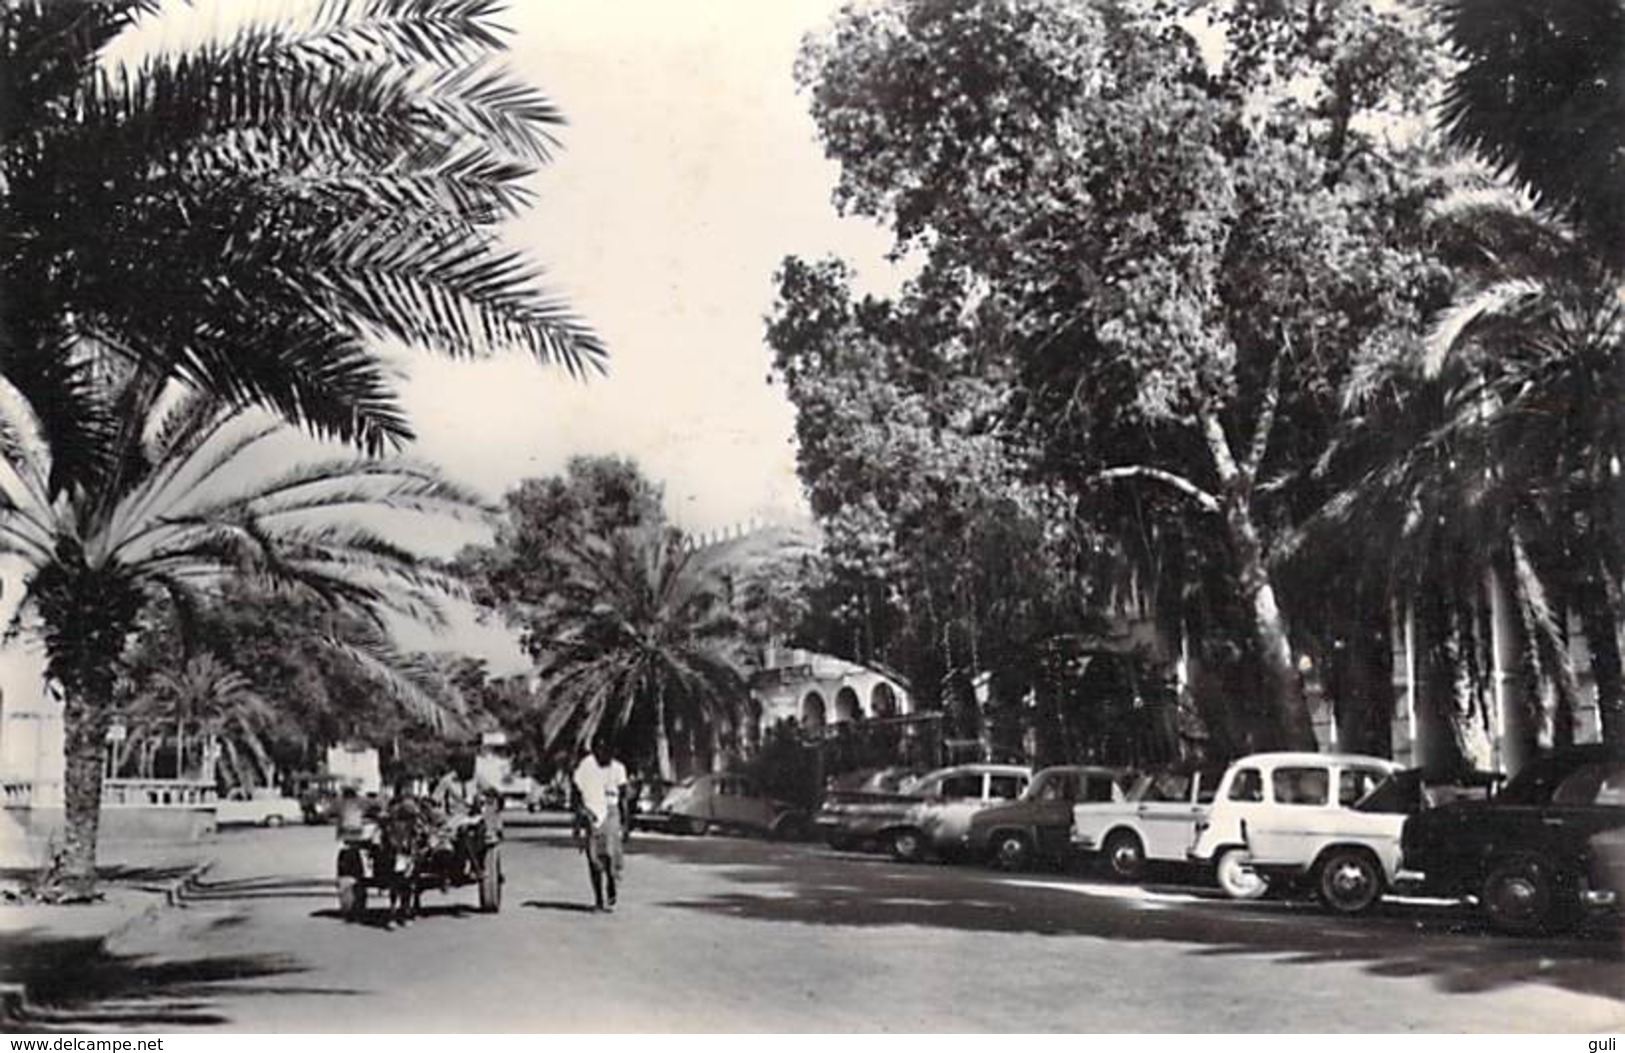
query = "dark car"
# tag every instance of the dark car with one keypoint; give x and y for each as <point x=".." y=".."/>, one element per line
<point x="1540" y="853"/>
<point x="1039" y="825"/>
<point x="703" y="803"/>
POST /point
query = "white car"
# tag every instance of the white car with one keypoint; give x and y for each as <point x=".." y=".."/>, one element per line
<point x="258" y="807"/>
<point x="1289" y="815"/>
<point x="1156" y="821"/>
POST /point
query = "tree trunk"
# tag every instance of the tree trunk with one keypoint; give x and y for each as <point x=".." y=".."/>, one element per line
<point x="1283" y="689"/>
<point x="663" y="737"/>
<point x="84" y="722"/>
<point x="1598" y="618"/>
<point x="1551" y="657"/>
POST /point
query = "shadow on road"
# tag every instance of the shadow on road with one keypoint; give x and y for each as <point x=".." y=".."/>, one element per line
<point x="562" y="905"/>
<point x="77" y="985"/>
<point x="810" y="886"/>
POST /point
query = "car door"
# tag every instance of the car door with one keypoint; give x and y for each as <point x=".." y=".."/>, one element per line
<point x="1166" y="815"/>
<point x="1049" y="809"/>
<point x="1282" y="825"/>
<point x="734" y="806"/>
<point x="961" y="797"/>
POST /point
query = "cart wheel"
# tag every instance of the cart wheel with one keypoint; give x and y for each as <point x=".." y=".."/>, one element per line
<point x="352" y="898"/>
<point x="491" y="881"/>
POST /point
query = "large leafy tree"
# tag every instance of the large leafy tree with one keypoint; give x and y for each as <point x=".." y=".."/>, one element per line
<point x="1178" y="260"/>
<point x="252" y="214"/>
<point x="942" y="562"/>
<point x="186" y="503"/>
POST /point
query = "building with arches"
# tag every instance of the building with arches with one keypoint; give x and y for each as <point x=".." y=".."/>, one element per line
<point x="821" y="692"/>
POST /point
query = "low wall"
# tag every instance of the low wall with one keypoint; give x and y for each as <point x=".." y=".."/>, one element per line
<point x="25" y="832"/>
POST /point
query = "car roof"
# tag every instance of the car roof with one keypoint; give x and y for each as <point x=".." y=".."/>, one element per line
<point x="978" y="769"/>
<point x="1280" y="757"/>
<point x="1084" y="769"/>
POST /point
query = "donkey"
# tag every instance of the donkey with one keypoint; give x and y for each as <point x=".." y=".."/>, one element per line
<point x="401" y="844"/>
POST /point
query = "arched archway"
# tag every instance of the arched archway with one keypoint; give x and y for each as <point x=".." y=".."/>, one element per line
<point x="847" y="709"/>
<point x="812" y="711"/>
<point x="883" y="700"/>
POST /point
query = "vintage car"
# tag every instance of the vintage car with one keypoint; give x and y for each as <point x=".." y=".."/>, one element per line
<point x="703" y="803"/>
<point x="1155" y="820"/>
<point x="1039" y="825"/>
<point x="933" y="814"/>
<point x="1275" y="813"/>
<point x="257" y="807"/>
<point x="1549" y="846"/>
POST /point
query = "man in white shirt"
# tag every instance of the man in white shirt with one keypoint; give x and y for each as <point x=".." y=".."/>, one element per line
<point x="600" y="782"/>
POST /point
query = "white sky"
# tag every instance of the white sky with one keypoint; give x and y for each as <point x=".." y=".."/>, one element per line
<point x="690" y="168"/>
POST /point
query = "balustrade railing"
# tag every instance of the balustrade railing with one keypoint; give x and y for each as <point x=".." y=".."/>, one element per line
<point x="126" y="793"/>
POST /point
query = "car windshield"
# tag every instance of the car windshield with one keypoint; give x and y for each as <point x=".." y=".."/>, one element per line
<point x="1396" y="795"/>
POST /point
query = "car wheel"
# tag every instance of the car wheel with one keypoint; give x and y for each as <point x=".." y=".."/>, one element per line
<point x="1236" y="876"/>
<point x="696" y="826"/>
<point x="1125" y="855"/>
<point x="491" y="881"/>
<point x="1526" y="896"/>
<point x="273" y="820"/>
<point x="1012" y="850"/>
<point x="790" y="826"/>
<point x="908" y="845"/>
<point x="1349" y="881"/>
<point x="352" y="898"/>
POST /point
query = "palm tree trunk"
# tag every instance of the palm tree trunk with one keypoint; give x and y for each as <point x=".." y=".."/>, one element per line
<point x="662" y="736"/>
<point x="1551" y="652"/>
<point x="84" y="721"/>
<point x="1599" y="613"/>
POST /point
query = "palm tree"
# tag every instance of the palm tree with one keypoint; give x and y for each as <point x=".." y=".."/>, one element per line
<point x="184" y="504"/>
<point x="1538" y="334"/>
<point x="1540" y="93"/>
<point x="220" y="709"/>
<point x="251" y="215"/>
<point x="639" y="633"/>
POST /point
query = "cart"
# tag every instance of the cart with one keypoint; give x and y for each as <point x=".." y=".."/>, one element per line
<point x="471" y="855"/>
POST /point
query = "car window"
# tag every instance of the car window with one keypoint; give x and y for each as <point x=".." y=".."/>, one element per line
<point x="1207" y="786"/>
<point x="1300" y="786"/>
<point x="1056" y="787"/>
<point x="961" y="787"/>
<point x="1248" y="785"/>
<point x="1098" y="788"/>
<point x="1005" y="787"/>
<point x="1593" y="784"/>
<point x="1169" y="786"/>
<point x="1355" y="783"/>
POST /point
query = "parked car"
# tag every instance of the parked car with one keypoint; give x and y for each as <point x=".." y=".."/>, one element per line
<point x="1274" y="812"/>
<point x="703" y="803"/>
<point x="647" y="794"/>
<point x="1549" y="846"/>
<point x="874" y="780"/>
<point x="1155" y="820"/>
<point x="318" y="796"/>
<point x="932" y="814"/>
<point x="257" y="807"/>
<point x="1351" y="857"/>
<point x="1039" y="825"/>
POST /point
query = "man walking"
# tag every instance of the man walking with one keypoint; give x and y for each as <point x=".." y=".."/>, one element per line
<point x="600" y="782"/>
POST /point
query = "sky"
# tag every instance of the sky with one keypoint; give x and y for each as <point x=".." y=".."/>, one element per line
<point x="690" y="168"/>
